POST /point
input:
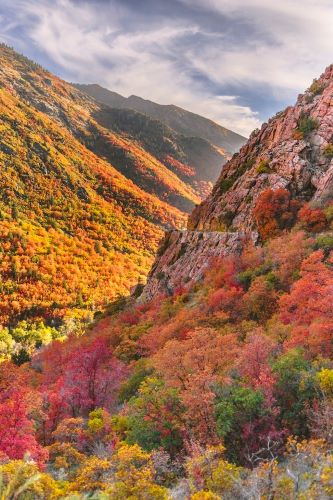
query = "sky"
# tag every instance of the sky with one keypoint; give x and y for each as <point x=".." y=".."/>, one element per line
<point x="237" y="62"/>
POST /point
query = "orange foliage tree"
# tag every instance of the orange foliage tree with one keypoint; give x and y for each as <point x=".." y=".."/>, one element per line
<point x="275" y="210"/>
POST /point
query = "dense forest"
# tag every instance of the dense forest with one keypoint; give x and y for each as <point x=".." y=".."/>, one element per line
<point x="224" y="389"/>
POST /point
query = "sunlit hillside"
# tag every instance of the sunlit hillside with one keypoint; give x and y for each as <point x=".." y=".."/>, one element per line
<point x="75" y="232"/>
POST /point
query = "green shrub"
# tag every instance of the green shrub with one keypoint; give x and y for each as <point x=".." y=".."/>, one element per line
<point x="272" y="280"/>
<point x="329" y="213"/>
<point x="325" y="242"/>
<point x="131" y="386"/>
<point x="246" y="277"/>
<point x="227" y="218"/>
<point x="328" y="151"/>
<point x="263" y="167"/>
<point x="316" y="87"/>
<point x="306" y="125"/>
<point x="227" y="183"/>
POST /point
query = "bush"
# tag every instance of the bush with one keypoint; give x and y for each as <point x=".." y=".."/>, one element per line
<point x="228" y="182"/>
<point x="275" y="211"/>
<point x="305" y="126"/>
<point x="235" y="407"/>
<point x="328" y="211"/>
<point x="325" y="242"/>
<point x="246" y="277"/>
<point x="263" y="167"/>
<point x="316" y="87"/>
<point x="312" y="219"/>
<point x="328" y="151"/>
<point x="131" y="386"/>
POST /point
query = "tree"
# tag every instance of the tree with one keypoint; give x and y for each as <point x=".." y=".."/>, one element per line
<point x="93" y="376"/>
<point x="93" y="475"/>
<point x="286" y="253"/>
<point x="194" y="365"/>
<point x="255" y="354"/>
<point x="155" y="417"/>
<point x="17" y="434"/>
<point x="254" y="364"/>
<point x="295" y="389"/>
<point x="274" y="211"/>
<point x="210" y="474"/>
<point x="312" y="219"/>
<point x="239" y="420"/>
<point x="134" y="475"/>
<point x="261" y="300"/>
<point x="64" y="460"/>
<point x="308" y="307"/>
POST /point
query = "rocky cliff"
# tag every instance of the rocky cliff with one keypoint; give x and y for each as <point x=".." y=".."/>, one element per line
<point x="294" y="151"/>
<point x="291" y="151"/>
<point x="184" y="256"/>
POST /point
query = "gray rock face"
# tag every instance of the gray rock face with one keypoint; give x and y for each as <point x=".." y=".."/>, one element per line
<point x="184" y="256"/>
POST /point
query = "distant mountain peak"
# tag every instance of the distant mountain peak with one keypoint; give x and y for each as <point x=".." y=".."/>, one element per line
<point x="182" y="121"/>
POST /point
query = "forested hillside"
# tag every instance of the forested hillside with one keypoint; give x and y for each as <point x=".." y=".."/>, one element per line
<point x="75" y="233"/>
<point x="86" y="192"/>
<point x="75" y="112"/>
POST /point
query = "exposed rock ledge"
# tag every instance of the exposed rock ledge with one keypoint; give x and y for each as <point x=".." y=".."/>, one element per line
<point x="184" y="256"/>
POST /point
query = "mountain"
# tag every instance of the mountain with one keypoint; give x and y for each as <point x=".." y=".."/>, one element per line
<point x="75" y="111"/>
<point x="291" y="153"/>
<point x="216" y="382"/>
<point x="75" y="232"/>
<point x="182" y="121"/>
<point x="194" y="161"/>
<point x="172" y="134"/>
<point x="77" y="172"/>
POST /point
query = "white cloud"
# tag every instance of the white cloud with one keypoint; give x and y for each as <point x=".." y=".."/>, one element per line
<point x="291" y="43"/>
<point x="284" y="45"/>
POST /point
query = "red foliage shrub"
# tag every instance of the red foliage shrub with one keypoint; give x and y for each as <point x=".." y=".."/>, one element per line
<point x="254" y="357"/>
<point x="308" y="307"/>
<point x="275" y="211"/>
<point x="286" y="254"/>
<point x="227" y="300"/>
<point x="260" y="301"/>
<point x="92" y="378"/>
<point x="313" y="219"/>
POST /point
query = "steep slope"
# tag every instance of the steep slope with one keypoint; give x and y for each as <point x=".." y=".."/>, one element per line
<point x="75" y="111"/>
<point x="292" y="151"/>
<point x="290" y="156"/>
<point x="75" y="233"/>
<point x="188" y="123"/>
<point x="194" y="160"/>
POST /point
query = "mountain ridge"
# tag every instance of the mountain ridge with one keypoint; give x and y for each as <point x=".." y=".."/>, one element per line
<point x="74" y="110"/>
<point x="168" y="113"/>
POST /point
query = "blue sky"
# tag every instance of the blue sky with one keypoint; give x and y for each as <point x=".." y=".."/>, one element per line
<point x="235" y="61"/>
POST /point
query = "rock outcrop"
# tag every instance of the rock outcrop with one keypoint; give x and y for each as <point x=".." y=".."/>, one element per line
<point x="184" y="256"/>
<point x="291" y="151"/>
<point x="294" y="150"/>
